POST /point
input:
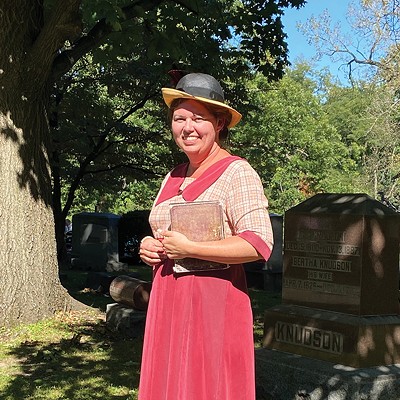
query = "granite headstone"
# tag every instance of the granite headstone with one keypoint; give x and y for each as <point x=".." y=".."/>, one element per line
<point x="340" y="282"/>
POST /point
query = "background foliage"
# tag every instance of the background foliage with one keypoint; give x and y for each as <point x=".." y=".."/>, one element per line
<point x="303" y="132"/>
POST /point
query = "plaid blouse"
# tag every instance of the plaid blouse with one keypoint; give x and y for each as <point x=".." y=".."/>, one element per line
<point x="240" y="191"/>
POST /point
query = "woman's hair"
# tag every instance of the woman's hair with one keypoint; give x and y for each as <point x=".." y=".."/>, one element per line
<point x="218" y="112"/>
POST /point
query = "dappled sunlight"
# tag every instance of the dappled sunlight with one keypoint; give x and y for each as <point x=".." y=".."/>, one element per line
<point x="342" y="254"/>
<point x="377" y="249"/>
<point x="365" y="343"/>
<point x="28" y="131"/>
<point x="282" y="375"/>
<point x="393" y="346"/>
<point x="340" y="297"/>
<point x="90" y="362"/>
<point x="76" y="356"/>
<point x="7" y="127"/>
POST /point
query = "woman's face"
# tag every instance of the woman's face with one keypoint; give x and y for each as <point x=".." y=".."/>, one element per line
<point x="195" y="129"/>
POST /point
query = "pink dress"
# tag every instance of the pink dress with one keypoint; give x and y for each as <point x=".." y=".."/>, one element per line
<point x="198" y="342"/>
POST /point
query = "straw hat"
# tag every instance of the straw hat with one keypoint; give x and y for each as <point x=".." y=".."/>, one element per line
<point x="200" y="87"/>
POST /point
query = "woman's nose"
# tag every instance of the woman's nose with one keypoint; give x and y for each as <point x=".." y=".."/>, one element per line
<point x="188" y="125"/>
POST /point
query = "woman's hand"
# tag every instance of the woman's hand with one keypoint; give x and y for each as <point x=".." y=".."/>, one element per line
<point x="175" y="244"/>
<point x="231" y="250"/>
<point x="151" y="251"/>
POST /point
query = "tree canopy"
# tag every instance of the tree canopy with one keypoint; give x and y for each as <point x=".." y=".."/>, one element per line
<point x="292" y="142"/>
<point x="43" y="50"/>
<point x="370" y="52"/>
<point x="97" y="122"/>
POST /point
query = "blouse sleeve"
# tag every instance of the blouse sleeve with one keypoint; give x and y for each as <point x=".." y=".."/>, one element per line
<point x="247" y="208"/>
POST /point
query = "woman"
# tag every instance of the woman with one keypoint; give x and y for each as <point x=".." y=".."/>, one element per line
<point x="198" y="341"/>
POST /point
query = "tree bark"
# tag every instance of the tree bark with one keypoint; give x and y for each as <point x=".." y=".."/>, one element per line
<point x="29" y="279"/>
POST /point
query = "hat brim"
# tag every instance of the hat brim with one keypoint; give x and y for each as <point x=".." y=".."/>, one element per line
<point x="170" y="95"/>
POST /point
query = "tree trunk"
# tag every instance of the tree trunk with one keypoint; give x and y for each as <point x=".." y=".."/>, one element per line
<point x="30" y="288"/>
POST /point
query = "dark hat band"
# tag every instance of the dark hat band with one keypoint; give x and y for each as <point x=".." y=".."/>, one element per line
<point x="202" y="92"/>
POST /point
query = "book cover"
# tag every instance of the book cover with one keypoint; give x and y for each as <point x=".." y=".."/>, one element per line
<point x="200" y="221"/>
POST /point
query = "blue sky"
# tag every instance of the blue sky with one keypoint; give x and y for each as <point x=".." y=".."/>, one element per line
<point x="297" y="42"/>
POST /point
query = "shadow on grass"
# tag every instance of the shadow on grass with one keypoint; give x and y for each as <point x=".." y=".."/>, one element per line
<point x="90" y="363"/>
<point x="76" y="357"/>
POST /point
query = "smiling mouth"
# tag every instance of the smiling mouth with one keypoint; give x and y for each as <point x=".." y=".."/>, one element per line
<point x="190" y="138"/>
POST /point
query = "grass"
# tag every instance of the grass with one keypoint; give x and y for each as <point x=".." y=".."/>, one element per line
<point x="75" y="356"/>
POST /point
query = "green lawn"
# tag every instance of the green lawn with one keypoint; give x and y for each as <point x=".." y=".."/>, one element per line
<point x="75" y="356"/>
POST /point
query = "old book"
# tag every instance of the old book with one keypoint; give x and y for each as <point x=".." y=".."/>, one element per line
<point x="200" y="221"/>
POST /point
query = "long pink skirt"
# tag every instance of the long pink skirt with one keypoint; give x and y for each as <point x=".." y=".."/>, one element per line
<point x="198" y="341"/>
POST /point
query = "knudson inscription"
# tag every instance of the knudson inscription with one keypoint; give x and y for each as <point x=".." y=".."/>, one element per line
<point x="322" y="263"/>
<point x="307" y="336"/>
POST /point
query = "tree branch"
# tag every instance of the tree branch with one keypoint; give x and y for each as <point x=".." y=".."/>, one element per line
<point x="96" y="151"/>
<point x="63" y="24"/>
<point x="134" y="167"/>
<point x="67" y="58"/>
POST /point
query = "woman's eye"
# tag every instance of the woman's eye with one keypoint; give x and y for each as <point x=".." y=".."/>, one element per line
<point x="196" y="120"/>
